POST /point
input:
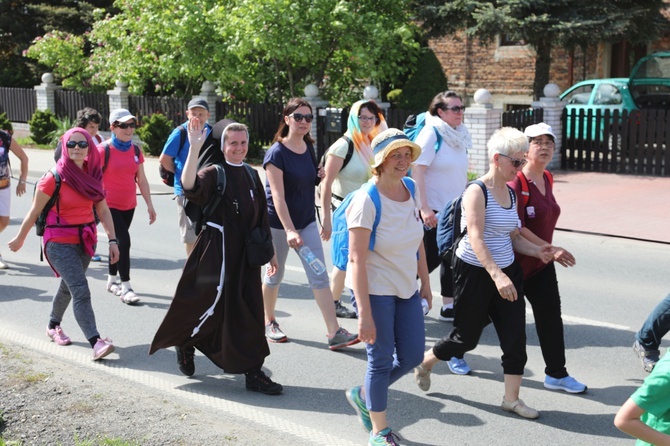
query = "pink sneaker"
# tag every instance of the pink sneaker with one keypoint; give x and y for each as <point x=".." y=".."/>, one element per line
<point x="58" y="336"/>
<point x="102" y="348"/>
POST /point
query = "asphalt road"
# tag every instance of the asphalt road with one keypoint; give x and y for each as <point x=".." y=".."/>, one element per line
<point x="606" y="297"/>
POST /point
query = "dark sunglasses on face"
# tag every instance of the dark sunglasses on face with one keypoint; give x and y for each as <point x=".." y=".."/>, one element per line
<point x="516" y="162"/>
<point x="456" y="108"/>
<point x="73" y="144"/>
<point x="124" y="126"/>
<point x="299" y="117"/>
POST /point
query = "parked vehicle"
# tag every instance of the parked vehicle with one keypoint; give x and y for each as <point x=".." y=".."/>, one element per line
<point x="648" y="87"/>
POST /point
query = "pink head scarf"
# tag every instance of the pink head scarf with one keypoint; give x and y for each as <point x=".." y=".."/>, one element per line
<point x="87" y="180"/>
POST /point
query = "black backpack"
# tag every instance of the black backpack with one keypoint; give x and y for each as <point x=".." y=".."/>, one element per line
<point x="41" y="222"/>
<point x="347" y="158"/>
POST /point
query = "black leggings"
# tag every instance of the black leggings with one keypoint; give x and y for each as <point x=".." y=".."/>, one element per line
<point x="122" y="221"/>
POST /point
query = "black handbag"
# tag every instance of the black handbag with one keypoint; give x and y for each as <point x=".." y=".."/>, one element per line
<point x="259" y="247"/>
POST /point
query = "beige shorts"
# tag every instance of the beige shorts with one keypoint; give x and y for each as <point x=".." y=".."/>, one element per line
<point x="186" y="230"/>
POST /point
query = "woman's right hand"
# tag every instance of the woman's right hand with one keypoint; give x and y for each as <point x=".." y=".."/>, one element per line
<point x="293" y="239"/>
<point x="429" y="218"/>
<point x="196" y="133"/>
<point x="326" y="230"/>
<point x="505" y="286"/>
<point x="367" y="332"/>
<point x="15" y="244"/>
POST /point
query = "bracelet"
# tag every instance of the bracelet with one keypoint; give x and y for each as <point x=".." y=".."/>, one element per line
<point x="22" y="181"/>
<point x="113" y="241"/>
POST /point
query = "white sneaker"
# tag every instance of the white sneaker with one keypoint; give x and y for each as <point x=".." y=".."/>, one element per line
<point x="3" y="265"/>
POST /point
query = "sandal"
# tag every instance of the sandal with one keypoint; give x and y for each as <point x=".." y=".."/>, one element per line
<point x="114" y="288"/>
<point x="129" y="297"/>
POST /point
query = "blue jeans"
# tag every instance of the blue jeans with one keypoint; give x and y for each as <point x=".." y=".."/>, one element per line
<point x="399" y="346"/>
<point x="656" y="326"/>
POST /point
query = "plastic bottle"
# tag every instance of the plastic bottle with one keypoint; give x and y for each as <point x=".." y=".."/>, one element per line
<point x="317" y="265"/>
<point x="424" y="304"/>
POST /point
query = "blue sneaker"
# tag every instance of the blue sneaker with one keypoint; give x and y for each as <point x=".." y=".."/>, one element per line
<point x="568" y="384"/>
<point x="383" y="438"/>
<point x="354" y="398"/>
<point x="459" y="366"/>
<point x="96" y="258"/>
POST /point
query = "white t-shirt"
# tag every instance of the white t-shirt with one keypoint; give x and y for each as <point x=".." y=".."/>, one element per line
<point x="446" y="172"/>
<point x="392" y="264"/>
<point x="354" y="174"/>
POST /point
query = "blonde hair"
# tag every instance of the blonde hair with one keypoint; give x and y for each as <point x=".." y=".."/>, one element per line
<point x="505" y="141"/>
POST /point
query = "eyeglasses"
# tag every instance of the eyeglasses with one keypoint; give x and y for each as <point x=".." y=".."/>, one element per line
<point x="367" y="118"/>
<point x="398" y="156"/>
<point x="542" y="143"/>
<point x="74" y="144"/>
<point x="124" y="126"/>
<point x="299" y="117"/>
<point x="516" y="162"/>
<point x="455" y="108"/>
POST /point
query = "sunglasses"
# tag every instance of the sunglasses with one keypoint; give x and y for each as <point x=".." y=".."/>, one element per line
<point x="74" y="144"/>
<point x="367" y="118"/>
<point x="299" y="117"/>
<point x="516" y="162"/>
<point x="455" y="108"/>
<point x="124" y="126"/>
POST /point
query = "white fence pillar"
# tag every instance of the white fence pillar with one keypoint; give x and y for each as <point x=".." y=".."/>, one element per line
<point x="208" y="94"/>
<point x="46" y="93"/>
<point x="312" y="96"/>
<point x="481" y="120"/>
<point x="553" y="110"/>
<point x="118" y="98"/>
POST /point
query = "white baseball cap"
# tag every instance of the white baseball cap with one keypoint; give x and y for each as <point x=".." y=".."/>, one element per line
<point x="539" y="129"/>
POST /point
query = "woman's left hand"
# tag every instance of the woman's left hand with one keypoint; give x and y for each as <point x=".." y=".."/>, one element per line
<point x="20" y="188"/>
<point x="152" y="215"/>
<point x="321" y="173"/>
<point x="545" y="253"/>
<point x="563" y="257"/>
<point x="367" y="332"/>
<point x="272" y="266"/>
<point x="326" y="231"/>
<point x="113" y="253"/>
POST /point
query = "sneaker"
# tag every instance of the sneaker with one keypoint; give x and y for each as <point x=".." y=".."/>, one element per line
<point x="649" y="357"/>
<point x="344" y="312"/>
<point x="96" y="258"/>
<point x="102" y="348"/>
<point x="3" y="265"/>
<point x="422" y="378"/>
<point x="384" y="437"/>
<point x="446" y="314"/>
<point x="354" y="398"/>
<point x="185" y="360"/>
<point x="56" y="334"/>
<point x="274" y="333"/>
<point x="568" y="384"/>
<point x="342" y="338"/>
<point x="519" y="408"/>
<point x="459" y="366"/>
<point x="258" y="381"/>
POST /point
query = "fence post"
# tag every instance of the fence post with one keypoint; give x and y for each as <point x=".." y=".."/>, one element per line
<point x="553" y="109"/>
<point x="312" y="96"/>
<point x="482" y="120"/>
<point x="207" y="93"/>
<point x="46" y="93"/>
<point x="118" y="98"/>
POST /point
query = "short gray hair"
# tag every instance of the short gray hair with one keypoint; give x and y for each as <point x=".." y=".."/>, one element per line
<point x="507" y="140"/>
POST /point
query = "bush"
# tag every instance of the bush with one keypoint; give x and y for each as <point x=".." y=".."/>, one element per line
<point x="153" y="132"/>
<point x="393" y="96"/>
<point x="42" y="123"/>
<point x="424" y="84"/>
<point x="62" y="126"/>
<point x="5" y="124"/>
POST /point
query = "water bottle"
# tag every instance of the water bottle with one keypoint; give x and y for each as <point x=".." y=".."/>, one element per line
<point x="317" y="265"/>
<point x="424" y="304"/>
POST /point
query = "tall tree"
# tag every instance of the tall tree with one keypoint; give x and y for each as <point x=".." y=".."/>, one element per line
<point x="545" y="23"/>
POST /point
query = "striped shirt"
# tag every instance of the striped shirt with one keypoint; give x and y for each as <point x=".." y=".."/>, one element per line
<point x="498" y="224"/>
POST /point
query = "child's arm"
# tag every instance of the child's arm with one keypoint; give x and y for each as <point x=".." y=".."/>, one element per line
<point x="628" y="420"/>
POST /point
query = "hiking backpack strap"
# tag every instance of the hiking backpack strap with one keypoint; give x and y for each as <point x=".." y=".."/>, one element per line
<point x="350" y="151"/>
<point x="213" y="203"/>
<point x="525" y="189"/>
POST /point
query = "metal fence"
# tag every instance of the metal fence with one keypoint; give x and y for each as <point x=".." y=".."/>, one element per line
<point x="173" y="108"/>
<point x="68" y="103"/>
<point x="520" y="119"/>
<point x="18" y="103"/>
<point x="262" y="119"/>
<point x="617" y="142"/>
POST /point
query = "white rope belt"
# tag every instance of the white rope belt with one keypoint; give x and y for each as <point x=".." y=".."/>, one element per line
<point x="219" y="288"/>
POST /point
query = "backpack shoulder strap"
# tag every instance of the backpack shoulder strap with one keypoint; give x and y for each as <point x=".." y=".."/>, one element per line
<point x="483" y="188"/>
<point x="107" y="150"/>
<point x="182" y="136"/>
<point x="6" y="142"/>
<point x="213" y="203"/>
<point x="438" y="139"/>
<point x="373" y="192"/>
<point x="350" y="150"/>
<point x="137" y="151"/>
<point x="550" y="177"/>
<point x="525" y="191"/>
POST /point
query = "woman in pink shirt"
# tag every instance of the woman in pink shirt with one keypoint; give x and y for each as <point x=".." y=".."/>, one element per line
<point x="123" y="168"/>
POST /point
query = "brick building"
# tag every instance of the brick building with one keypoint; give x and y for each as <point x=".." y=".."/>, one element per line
<point x="506" y="69"/>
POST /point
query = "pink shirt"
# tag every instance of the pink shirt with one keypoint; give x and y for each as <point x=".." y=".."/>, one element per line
<point x="71" y="208"/>
<point x="118" y="180"/>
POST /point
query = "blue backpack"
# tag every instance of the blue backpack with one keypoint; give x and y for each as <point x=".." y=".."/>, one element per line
<point x="449" y="232"/>
<point x="340" y="235"/>
<point x="413" y="126"/>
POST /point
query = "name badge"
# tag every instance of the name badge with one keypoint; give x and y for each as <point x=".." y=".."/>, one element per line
<point x="137" y="159"/>
<point x="530" y="211"/>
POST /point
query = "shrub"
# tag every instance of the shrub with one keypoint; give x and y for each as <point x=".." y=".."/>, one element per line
<point x="62" y="126"/>
<point x="424" y="84"/>
<point x="5" y="123"/>
<point x="42" y="123"/>
<point x="393" y="96"/>
<point x="153" y="132"/>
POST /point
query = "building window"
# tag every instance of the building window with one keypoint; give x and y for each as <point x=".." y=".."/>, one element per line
<point x="506" y="40"/>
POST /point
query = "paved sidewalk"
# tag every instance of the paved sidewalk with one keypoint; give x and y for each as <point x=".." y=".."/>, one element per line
<point x="601" y="203"/>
